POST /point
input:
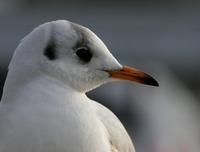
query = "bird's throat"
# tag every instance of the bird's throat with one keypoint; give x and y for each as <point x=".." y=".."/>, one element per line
<point x="42" y="89"/>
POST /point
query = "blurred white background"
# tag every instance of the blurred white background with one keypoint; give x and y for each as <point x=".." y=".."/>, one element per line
<point x="161" y="37"/>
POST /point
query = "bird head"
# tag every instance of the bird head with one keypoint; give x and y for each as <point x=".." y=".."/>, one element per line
<point x="74" y="55"/>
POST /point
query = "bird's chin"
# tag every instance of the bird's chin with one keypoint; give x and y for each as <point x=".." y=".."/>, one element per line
<point x="100" y="78"/>
<point x="92" y="80"/>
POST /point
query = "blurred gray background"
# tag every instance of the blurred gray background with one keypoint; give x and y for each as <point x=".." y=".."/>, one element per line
<point x="160" y="37"/>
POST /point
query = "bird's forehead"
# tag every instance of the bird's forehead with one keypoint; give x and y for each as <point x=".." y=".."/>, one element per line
<point x="78" y="35"/>
<point x="63" y="27"/>
<point x="69" y="28"/>
<point x="64" y="34"/>
<point x="86" y="36"/>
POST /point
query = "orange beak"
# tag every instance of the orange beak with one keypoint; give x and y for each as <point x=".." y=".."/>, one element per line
<point x="133" y="74"/>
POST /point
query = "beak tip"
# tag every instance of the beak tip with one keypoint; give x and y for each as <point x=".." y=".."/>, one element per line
<point x="154" y="83"/>
<point x="151" y="81"/>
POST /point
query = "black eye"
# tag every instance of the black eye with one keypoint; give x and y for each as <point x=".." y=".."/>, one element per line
<point x="84" y="54"/>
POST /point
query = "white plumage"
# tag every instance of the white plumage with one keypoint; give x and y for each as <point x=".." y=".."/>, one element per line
<point x="44" y="107"/>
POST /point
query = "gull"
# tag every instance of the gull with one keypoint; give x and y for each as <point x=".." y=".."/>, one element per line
<point x="44" y="107"/>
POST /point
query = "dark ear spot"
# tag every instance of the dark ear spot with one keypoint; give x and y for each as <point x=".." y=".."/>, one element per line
<point x="50" y="51"/>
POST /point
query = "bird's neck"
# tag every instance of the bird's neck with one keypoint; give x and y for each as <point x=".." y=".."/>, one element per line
<point x="40" y="88"/>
